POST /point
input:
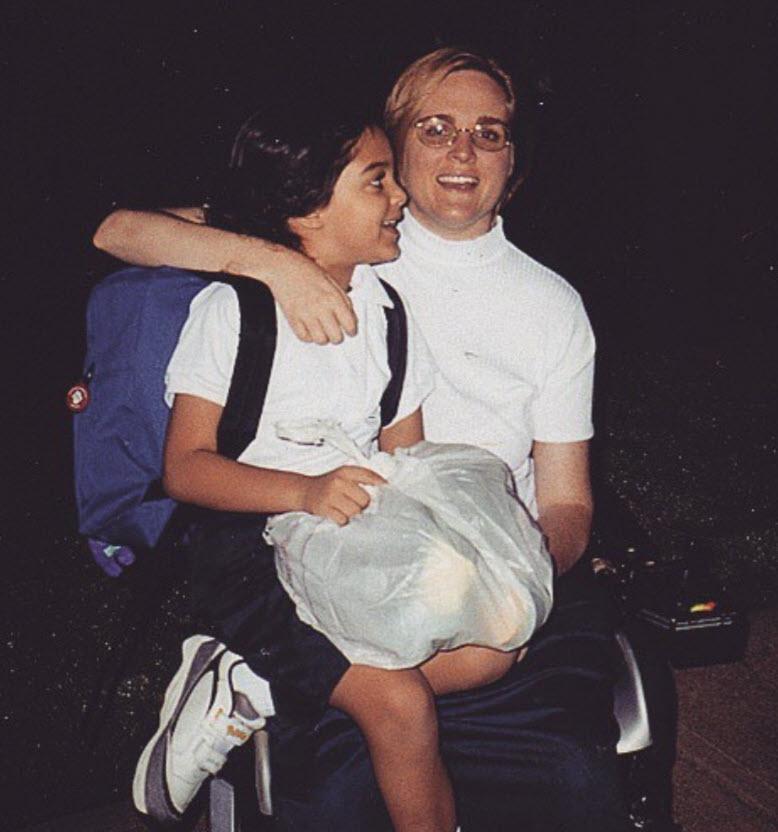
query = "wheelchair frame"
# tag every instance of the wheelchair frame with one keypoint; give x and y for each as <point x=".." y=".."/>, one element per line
<point x="630" y="709"/>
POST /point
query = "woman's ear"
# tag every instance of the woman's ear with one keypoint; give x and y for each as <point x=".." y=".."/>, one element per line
<point x="511" y="187"/>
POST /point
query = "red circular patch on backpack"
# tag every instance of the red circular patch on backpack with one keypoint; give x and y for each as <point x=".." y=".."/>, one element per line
<point x="77" y="398"/>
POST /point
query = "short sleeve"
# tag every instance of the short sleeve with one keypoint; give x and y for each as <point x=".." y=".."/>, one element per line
<point x="203" y="360"/>
<point x="562" y="411"/>
<point x="420" y="371"/>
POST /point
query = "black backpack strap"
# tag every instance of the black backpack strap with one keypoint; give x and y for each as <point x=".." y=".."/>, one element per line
<point x="397" y="354"/>
<point x="253" y="363"/>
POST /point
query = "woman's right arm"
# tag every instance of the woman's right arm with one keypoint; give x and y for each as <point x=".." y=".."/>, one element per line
<point x="317" y="309"/>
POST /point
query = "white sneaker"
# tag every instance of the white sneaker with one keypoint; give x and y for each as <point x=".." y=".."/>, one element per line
<point x="200" y="723"/>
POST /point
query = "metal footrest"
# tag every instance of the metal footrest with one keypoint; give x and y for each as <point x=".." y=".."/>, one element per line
<point x="223" y="815"/>
<point x="222" y="808"/>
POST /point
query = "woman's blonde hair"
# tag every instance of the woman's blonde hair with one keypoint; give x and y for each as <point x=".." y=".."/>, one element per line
<point x="425" y="73"/>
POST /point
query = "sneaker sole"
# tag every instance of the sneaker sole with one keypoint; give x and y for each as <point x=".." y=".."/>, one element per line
<point x="149" y="787"/>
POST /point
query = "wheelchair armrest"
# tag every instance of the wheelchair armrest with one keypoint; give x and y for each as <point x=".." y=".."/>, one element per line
<point x="262" y="772"/>
<point x="629" y="703"/>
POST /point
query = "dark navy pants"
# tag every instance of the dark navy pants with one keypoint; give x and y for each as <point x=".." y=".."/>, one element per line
<point x="236" y="589"/>
<point x="532" y="751"/>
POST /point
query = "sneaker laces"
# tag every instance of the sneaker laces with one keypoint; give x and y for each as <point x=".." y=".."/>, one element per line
<point x="221" y="733"/>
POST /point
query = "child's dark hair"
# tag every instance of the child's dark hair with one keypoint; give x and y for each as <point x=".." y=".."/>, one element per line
<point x="284" y="163"/>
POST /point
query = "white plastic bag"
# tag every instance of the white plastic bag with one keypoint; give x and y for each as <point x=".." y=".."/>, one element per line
<point x="445" y="555"/>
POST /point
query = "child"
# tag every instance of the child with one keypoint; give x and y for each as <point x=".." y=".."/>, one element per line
<point x="325" y="185"/>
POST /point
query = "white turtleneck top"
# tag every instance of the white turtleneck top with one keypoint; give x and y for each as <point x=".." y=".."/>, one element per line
<point x="511" y="339"/>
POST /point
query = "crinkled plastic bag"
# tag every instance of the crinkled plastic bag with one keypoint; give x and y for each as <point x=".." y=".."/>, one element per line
<point x="445" y="555"/>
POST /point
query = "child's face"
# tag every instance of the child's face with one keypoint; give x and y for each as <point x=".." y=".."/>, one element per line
<point x="358" y="224"/>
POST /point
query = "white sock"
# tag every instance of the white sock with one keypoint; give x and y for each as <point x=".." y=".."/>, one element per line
<point x="252" y="692"/>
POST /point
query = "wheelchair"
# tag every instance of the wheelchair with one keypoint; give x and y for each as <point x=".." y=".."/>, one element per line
<point x="644" y="708"/>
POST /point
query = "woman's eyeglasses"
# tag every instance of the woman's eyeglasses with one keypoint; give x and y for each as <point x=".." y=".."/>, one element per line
<point x="436" y="131"/>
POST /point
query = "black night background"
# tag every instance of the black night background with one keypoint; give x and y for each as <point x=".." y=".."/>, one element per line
<point x="651" y="154"/>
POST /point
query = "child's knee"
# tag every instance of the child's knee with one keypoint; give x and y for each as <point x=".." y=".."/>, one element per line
<point x="392" y="703"/>
<point x="408" y="702"/>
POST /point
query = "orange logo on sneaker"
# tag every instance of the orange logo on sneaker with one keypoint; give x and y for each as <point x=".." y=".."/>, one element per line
<point x="232" y="731"/>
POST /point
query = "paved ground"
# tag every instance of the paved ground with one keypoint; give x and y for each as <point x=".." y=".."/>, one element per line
<point x="726" y="778"/>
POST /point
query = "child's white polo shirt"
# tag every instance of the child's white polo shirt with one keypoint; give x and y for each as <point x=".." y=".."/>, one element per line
<point x="341" y="382"/>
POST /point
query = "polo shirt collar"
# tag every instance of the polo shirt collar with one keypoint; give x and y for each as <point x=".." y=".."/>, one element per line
<point x="419" y="241"/>
<point x="367" y="288"/>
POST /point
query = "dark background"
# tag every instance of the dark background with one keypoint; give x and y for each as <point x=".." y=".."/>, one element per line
<point x="652" y="189"/>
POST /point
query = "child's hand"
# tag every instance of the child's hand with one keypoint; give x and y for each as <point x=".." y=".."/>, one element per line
<point x="339" y="495"/>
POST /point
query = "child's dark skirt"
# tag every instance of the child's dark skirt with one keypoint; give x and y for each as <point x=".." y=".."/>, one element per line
<point x="235" y="587"/>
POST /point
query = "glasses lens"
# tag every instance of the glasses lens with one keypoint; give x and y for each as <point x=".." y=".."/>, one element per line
<point x="490" y="136"/>
<point x="435" y="132"/>
<point x="438" y="132"/>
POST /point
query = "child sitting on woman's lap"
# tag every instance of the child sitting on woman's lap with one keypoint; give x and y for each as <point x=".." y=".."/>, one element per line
<point x="324" y="184"/>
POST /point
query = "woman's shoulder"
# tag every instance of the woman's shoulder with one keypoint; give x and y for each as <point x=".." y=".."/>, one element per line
<point x="545" y="284"/>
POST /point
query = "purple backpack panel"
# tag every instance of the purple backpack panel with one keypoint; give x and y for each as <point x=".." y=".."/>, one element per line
<point x="134" y="318"/>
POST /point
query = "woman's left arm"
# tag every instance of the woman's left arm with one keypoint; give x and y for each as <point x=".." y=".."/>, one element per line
<point x="564" y="497"/>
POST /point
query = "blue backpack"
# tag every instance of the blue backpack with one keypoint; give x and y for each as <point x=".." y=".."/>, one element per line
<point x="134" y="318"/>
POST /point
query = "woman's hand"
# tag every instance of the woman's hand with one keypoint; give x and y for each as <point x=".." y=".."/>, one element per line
<point x="339" y="495"/>
<point x="317" y="309"/>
